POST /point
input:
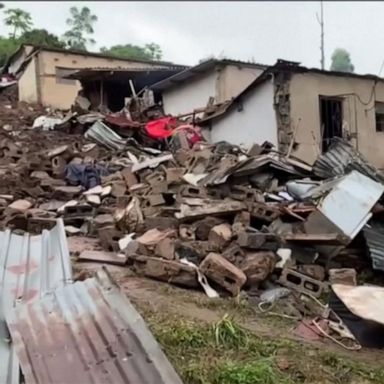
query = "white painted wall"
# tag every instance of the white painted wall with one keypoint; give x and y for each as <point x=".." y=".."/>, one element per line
<point x="190" y="95"/>
<point x="256" y="122"/>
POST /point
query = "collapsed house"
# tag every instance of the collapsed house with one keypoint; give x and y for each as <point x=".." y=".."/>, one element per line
<point x="300" y="110"/>
<point x="41" y="72"/>
<point x="210" y="82"/>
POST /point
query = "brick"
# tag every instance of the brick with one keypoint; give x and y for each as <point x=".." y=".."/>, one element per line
<point x="38" y="224"/>
<point x="264" y="212"/>
<point x="234" y="254"/>
<point x="313" y="270"/>
<point x="165" y="270"/>
<point x="257" y="266"/>
<point x="251" y="240"/>
<point x="204" y="226"/>
<point x="20" y="205"/>
<point x="345" y="276"/>
<point x="154" y="178"/>
<point x="224" y="273"/>
<point x="166" y="249"/>
<point x="161" y="223"/>
<point x="154" y="200"/>
<point x="66" y="192"/>
<point x="191" y="191"/>
<point x="220" y="234"/>
<point x="78" y="211"/>
<point x="129" y="177"/>
<point x="118" y="188"/>
<point x="187" y="232"/>
<point x="109" y="237"/>
<point x="39" y="175"/>
<point x="58" y="165"/>
<point x="174" y="175"/>
<point x="301" y="283"/>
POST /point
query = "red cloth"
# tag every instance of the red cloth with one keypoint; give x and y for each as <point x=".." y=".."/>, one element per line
<point x="161" y="128"/>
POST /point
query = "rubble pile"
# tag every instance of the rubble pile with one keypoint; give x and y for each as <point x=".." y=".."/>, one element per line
<point x="199" y="215"/>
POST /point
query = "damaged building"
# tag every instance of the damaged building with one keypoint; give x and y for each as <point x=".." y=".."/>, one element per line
<point x="210" y="82"/>
<point x="41" y="72"/>
<point x="300" y="110"/>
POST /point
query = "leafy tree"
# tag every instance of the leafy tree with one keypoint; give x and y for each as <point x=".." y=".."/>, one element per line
<point x="18" y="19"/>
<point x="154" y="51"/>
<point x="7" y="47"/>
<point x="341" y="61"/>
<point x="81" y="23"/>
<point x="41" y="37"/>
<point x="148" y="52"/>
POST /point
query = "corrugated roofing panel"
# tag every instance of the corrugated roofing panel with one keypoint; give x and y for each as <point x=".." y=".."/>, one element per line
<point x="374" y="236"/>
<point x="103" y="135"/>
<point x="340" y="158"/>
<point x="30" y="266"/>
<point x="87" y="332"/>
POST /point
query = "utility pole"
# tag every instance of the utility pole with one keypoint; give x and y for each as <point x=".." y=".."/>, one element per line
<point x="321" y="22"/>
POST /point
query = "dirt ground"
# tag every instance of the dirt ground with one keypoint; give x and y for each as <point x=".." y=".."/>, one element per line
<point x="172" y="311"/>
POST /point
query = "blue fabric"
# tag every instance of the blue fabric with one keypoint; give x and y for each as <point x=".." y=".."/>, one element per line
<point x="87" y="175"/>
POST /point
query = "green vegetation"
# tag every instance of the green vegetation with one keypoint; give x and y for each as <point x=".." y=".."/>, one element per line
<point x="225" y="353"/>
<point x="341" y="61"/>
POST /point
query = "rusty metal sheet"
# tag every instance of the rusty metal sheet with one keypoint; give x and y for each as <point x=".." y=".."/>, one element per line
<point x="341" y="158"/>
<point x="87" y="332"/>
<point x="29" y="267"/>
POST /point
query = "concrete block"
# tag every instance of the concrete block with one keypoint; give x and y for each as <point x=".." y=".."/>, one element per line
<point x="313" y="270"/>
<point x="38" y="224"/>
<point x="191" y="191"/>
<point x="118" y="188"/>
<point x="66" y="192"/>
<point x="164" y="270"/>
<point x="234" y="254"/>
<point x="220" y="234"/>
<point x="346" y="276"/>
<point x="174" y="175"/>
<point x="301" y="283"/>
<point x="129" y="177"/>
<point x="264" y="212"/>
<point x="251" y="240"/>
<point x="166" y="249"/>
<point x="204" y="226"/>
<point x="20" y="205"/>
<point x="257" y="266"/>
<point x="224" y="273"/>
<point x="161" y="223"/>
<point x="187" y="232"/>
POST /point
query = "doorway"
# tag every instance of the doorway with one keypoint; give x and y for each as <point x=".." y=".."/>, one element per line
<point x="331" y="120"/>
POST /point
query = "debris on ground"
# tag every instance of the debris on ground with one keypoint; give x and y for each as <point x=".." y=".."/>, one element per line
<point x="161" y="201"/>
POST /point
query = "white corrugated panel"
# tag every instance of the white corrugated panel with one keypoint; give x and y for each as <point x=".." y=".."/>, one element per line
<point x="348" y="205"/>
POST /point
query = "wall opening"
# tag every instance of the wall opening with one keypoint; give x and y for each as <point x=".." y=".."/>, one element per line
<point x="379" y="116"/>
<point x="331" y="119"/>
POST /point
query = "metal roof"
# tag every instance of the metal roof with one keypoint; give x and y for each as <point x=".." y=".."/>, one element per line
<point x="342" y="157"/>
<point x="87" y="332"/>
<point x="374" y="235"/>
<point x="199" y="69"/>
<point x="30" y="266"/>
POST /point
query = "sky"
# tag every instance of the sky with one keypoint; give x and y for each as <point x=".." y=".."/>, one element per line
<point x="257" y="31"/>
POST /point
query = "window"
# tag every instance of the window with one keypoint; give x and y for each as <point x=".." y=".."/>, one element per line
<point x="61" y="72"/>
<point x="331" y="119"/>
<point x="379" y="115"/>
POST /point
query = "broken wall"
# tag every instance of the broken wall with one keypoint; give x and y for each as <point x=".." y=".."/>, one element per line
<point x="27" y="83"/>
<point x="358" y="113"/>
<point x="191" y="94"/>
<point x="251" y="121"/>
<point x="60" y="93"/>
<point x="233" y="79"/>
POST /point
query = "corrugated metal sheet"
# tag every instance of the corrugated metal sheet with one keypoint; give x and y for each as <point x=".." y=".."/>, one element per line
<point x="348" y="205"/>
<point x="374" y="236"/>
<point x="30" y="267"/>
<point x="340" y="158"/>
<point x="103" y="135"/>
<point x="87" y="332"/>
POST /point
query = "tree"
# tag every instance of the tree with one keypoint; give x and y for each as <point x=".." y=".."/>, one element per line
<point x="154" y="51"/>
<point x="41" y="37"/>
<point x="18" y="19"/>
<point x="7" y="47"/>
<point x="81" y="23"/>
<point x="341" y="61"/>
<point x="150" y="51"/>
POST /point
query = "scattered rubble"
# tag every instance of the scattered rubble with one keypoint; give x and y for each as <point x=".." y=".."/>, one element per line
<point x="192" y="213"/>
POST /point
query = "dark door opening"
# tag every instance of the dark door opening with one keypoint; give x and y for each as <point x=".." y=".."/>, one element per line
<point x="331" y="120"/>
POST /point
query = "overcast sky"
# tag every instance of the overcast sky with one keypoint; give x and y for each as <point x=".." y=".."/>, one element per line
<point x="262" y="31"/>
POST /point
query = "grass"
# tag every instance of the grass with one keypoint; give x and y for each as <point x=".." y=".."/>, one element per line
<point x="226" y="353"/>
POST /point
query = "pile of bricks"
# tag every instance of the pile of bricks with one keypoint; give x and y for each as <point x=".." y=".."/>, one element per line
<point x="213" y="206"/>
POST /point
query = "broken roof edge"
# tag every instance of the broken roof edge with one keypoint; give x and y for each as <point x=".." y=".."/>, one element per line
<point x="201" y="68"/>
<point x="85" y="53"/>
